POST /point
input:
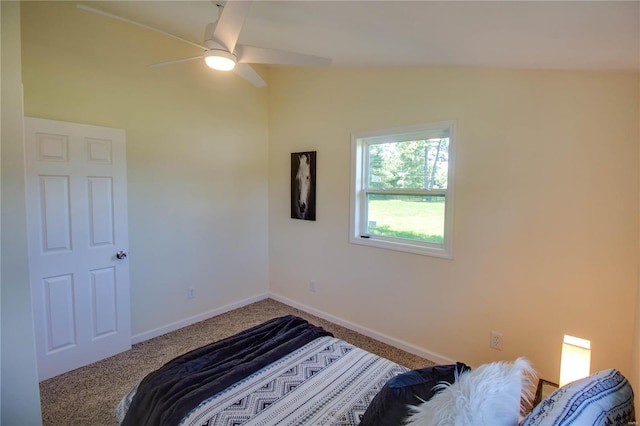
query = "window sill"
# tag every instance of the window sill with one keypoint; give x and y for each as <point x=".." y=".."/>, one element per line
<point x="405" y="246"/>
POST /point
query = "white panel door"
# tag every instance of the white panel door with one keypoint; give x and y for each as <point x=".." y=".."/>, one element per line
<point x="77" y="225"/>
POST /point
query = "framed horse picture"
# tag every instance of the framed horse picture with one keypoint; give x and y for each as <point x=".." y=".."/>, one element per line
<point x="303" y="185"/>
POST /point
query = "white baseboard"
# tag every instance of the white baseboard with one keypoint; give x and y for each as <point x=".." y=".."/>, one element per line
<point x="408" y="347"/>
<point x="194" y="319"/>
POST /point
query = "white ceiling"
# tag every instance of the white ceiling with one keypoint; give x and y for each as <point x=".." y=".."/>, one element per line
<point x="592" y="35"/>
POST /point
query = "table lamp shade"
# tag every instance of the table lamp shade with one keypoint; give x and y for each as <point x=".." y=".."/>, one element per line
<point x="576" y="359"/>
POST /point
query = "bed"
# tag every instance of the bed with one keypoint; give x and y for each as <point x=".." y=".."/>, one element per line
<point x="287" y="371"/>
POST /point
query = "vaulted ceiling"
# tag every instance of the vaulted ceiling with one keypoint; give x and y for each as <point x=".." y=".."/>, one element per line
<point x="590" y="35"/>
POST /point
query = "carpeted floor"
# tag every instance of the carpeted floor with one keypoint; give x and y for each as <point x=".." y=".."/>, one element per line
<point x="89" y="395"/>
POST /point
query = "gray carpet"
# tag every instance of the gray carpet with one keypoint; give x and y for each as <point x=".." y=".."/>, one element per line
<point x="89" y="395"/>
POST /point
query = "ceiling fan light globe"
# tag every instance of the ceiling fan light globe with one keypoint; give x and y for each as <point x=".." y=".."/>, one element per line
<point x="220" y="60"/>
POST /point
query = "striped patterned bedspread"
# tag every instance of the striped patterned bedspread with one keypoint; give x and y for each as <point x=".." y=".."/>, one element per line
<point x="326" y="382"/>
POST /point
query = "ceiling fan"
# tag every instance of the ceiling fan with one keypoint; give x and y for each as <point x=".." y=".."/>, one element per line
<point x="220" y="48"/>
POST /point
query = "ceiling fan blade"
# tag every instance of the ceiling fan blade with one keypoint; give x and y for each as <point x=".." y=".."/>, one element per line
<point x="230" y="23"/>
<point x="261" y="55"/>
<point x="129" y="21"/>
<point x="245" y="71"/>
<point x="176" y="61"/>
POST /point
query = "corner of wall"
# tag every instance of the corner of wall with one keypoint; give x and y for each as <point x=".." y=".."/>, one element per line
<point x="20" y="396"/>
<point x="635" y="354"/>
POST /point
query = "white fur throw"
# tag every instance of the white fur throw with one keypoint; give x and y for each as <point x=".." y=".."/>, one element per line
<point x="491" y="395"/>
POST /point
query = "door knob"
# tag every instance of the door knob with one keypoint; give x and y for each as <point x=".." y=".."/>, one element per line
<point x="121" y="255"/>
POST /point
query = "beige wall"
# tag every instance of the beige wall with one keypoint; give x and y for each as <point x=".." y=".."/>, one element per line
<point x="635" y="353"/>
<point x="196" y="154"/>
<point x="546" y="210"/>
<point x="20" y="397"/>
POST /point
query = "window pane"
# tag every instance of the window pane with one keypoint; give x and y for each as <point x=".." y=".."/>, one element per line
<point x="413" y="217"/>
<point x="420" y="164"/>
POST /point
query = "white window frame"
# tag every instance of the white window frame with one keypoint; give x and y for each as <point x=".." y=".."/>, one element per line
<point x="359" y="189"/>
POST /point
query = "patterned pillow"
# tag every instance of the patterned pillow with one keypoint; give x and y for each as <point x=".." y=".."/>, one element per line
<point x="604" y="398"/>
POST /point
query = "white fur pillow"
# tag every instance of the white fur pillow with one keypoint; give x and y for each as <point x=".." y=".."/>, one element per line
<point x="491" y="395"/>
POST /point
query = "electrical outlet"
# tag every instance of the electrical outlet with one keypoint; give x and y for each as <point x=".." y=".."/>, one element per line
<point x="312" y="286"/>
<point x="191" y="293"/>
<point x="495" y="340"/>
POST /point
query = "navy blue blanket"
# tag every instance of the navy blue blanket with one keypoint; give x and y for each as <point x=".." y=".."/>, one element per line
<point x="168" y="394"/>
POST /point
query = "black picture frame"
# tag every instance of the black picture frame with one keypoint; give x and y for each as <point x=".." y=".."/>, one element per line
<point x="303" y="185"/>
